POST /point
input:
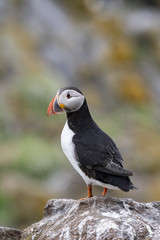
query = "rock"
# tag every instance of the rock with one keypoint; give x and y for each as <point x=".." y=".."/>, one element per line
<point x="9" y="233"/>
<point x="97" y="218"/>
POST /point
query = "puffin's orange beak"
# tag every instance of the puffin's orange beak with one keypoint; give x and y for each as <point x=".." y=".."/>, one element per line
<point x="54" y="108"/>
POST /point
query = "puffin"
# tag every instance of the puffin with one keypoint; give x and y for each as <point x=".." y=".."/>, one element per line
<point x="92" y="153"/>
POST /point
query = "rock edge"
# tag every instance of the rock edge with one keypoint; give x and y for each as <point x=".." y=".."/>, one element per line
<point x="9" y="233"/>
<point x="97" y="218"/>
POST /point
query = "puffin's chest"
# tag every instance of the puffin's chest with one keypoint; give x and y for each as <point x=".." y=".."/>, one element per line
<point x="66" y="141"/>
<point x="69" y="150"/>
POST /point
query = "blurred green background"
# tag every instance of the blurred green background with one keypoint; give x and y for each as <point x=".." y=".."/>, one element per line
<point x="111" y="51"/>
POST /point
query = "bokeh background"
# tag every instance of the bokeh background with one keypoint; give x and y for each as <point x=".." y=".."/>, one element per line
<point x="111" y="51"/>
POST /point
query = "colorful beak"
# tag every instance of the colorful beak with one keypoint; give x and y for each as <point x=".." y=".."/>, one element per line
<point x="54" y="108"/>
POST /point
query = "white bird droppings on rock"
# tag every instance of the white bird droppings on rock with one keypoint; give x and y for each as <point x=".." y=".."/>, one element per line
<point x="97" y="218"/>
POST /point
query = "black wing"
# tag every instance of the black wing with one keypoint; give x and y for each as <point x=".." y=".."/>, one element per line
<point x="96" y="150"/>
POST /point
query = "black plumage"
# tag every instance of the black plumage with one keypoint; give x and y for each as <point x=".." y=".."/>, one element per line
<point x="96" y="153"/>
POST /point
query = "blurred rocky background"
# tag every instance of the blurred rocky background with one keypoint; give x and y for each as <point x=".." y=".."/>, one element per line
<point x="111" y="51"/>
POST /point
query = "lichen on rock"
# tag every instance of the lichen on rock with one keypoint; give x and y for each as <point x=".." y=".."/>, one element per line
<point x="97" y="218"/>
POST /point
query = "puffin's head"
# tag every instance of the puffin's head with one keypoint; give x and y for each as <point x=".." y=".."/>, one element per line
<point x="69" y="99"/>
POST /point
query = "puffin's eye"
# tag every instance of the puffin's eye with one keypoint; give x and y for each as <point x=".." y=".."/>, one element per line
<point x="68" y="96"/>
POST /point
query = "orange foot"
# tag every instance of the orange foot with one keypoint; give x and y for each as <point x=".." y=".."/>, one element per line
<point x="104" y="192"/>
<point x="89" y="187"/>
<point x="83" y="198"/>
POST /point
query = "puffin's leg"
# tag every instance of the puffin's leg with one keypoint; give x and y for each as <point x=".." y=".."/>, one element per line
<point x="104" y="191"/>
<point x="89" y="187"/>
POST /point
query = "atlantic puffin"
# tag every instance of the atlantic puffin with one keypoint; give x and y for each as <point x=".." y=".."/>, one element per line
<point x="91" y="152"/>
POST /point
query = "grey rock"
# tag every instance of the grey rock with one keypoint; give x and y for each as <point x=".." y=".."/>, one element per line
<point x="9" y="233"/>
<point x="97" y="218"/>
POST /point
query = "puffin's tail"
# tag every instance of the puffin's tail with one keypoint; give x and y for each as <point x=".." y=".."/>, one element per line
<point x="128" y="188"/>
<point x="126" y="184"/>
<point x="133" y="187"/>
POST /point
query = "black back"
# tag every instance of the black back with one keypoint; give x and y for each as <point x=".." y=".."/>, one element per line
<point x="97" y="154"/>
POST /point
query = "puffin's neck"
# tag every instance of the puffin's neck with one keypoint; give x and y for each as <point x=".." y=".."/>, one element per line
<point x="80" y="120"/>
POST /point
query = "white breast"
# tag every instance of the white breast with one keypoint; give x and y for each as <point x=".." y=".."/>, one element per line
<point x="69" y="150"/>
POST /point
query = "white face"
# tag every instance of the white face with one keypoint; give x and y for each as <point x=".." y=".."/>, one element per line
<point x="71" y="99"/>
